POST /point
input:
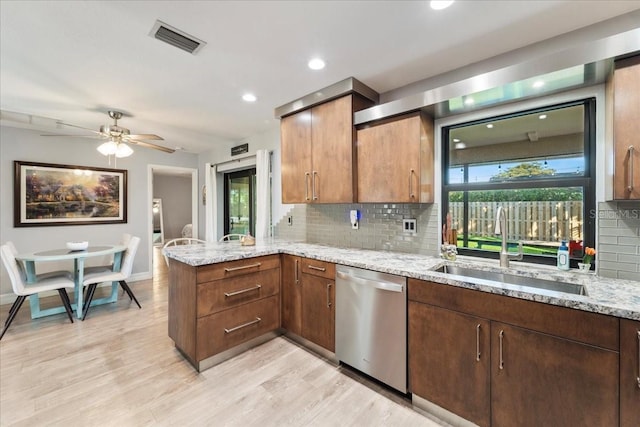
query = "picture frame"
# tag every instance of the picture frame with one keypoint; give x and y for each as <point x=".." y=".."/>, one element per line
<point x="47" y="194"/>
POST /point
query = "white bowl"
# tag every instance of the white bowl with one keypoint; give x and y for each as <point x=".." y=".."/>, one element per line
<point x="77" y="246"/>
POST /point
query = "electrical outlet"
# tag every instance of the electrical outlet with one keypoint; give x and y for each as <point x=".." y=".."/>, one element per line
<point x="289" y="220"/>
<point x="409" y="226"/>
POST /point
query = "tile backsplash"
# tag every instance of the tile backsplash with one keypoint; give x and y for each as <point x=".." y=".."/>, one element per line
<point x="618" y="252"/>
<point x="381" y="229"/>
<point x="380" y="226"/>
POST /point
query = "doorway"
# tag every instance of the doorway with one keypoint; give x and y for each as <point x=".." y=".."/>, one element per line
<point x="240" y="202"/>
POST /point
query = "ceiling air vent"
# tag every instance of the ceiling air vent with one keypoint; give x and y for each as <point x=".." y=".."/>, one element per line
<point x="175" y="37"/>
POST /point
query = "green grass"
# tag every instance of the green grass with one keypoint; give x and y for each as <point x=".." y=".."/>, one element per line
<point x="494" y="243"/>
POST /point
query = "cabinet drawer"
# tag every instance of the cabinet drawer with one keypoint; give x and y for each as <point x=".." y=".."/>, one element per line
<point x="224" y="270"/>
<point x="319" y="268"/>
<point x="222" y="294"/>
<point x="221" y="331"/>
<point x="591" y="328"/>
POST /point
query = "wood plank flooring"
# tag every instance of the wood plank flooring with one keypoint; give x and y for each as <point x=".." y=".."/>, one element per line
<point x="120" y="368"/>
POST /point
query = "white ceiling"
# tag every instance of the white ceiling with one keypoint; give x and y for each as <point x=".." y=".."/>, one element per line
<point x="74" y="60"/>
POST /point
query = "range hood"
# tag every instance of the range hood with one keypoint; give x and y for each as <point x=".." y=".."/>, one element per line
<point x="584" y="64"/>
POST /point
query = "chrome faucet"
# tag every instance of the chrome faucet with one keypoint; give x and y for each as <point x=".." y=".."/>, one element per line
<point x="501" y="228"/>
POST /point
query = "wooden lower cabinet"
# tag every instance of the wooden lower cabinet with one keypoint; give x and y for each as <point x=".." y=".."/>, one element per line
<point x="213" y="308"/>
<point x="449" y="360"/>
<point x="542" y="380"/>
<point x="318" y="311"/>
<point x="629" y="373"/>
<point x="565" y="372"/>
<point x="221" y="331"/>
<point x="291" y="292"/>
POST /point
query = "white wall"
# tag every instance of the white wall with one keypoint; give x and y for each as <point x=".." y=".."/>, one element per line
<point x="28" y="145"/>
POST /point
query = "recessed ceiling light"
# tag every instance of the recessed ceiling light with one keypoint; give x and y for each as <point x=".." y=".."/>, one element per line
<point x="316" y="64"/>
<point x="538" y="84"/>
<point x="249" y="97"/>
<point x="440" y="4"/>
<point x="460" y="145"/>
<point x="490" y="126"/>
<point x="542" y="116"/>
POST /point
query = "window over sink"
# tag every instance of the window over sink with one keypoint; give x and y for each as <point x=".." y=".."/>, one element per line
<point x="537" y="164"/>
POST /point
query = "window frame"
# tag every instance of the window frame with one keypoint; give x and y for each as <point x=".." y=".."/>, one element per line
<point x="587" y="181"/>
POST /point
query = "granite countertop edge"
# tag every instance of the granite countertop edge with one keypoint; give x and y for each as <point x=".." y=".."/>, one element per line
<point x="614" y="297"/>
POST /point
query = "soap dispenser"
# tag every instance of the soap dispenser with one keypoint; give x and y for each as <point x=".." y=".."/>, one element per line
<point x="563" y="256"/>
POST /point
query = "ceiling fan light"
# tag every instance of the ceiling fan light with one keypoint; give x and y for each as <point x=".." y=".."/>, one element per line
<point x="123" y="150"/>
<point x="108" y="148"/>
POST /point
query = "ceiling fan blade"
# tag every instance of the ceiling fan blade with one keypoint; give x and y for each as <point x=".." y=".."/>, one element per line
<point x="148" y="145"/>
<point x="79" y="127"/>
<point x="75" y="136"/>
<point x="146" y="136"/>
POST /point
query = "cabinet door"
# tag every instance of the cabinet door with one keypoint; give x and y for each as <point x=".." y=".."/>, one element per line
<point x="629" y="373"/>
<point x="541" y="380"/>
<point x="449" y="360"/>
<point x="626" y="129"/>
<point x="295" y="144"/>
<point x="332" y="152"/>
<point x="291" y="294"/>
<point x="318" y="310"/>
<point x="389" y="161"/>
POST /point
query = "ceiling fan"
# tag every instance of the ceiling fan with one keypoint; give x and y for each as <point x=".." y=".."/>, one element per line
<point x="117" y="136"/>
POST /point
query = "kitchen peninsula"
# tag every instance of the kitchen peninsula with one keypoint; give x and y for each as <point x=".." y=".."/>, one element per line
<point x="224" y="298"/>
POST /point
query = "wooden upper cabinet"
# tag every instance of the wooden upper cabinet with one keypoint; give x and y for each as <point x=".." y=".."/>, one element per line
<point x="395" y="160"/>
<point x="295" y="134"/>
<point x="318" y="157"/>
<point x="626" y="129"/>
<point x="629" y="373"/>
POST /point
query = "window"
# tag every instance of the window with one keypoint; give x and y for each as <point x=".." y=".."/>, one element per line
<point x="539" y="165"/>
<point x="240" y="202"/>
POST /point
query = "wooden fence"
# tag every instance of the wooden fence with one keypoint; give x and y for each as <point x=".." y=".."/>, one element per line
<point x="542" y="221"/>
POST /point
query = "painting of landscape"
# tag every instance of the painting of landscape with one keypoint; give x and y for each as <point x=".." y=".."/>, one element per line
<point x="48" y="194"/>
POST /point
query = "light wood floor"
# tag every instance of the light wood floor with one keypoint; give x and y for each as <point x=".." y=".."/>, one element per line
<point x="120" y="368"/>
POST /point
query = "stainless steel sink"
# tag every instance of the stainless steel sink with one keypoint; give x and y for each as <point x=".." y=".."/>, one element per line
<point x="512" y="279"/>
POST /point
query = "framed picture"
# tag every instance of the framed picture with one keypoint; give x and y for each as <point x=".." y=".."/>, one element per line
<point x="48" y="194"/>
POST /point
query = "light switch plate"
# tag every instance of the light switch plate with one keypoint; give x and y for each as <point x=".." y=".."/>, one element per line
<point x="409" y="226"/>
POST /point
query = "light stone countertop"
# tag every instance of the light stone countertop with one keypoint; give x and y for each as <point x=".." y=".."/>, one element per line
<point x="613" y="297"/>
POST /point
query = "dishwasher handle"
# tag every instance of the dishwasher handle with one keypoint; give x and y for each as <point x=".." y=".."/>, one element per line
<point x="385" y="286"/>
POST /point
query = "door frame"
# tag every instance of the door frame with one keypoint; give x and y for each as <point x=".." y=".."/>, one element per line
<point x="176" y="170"/>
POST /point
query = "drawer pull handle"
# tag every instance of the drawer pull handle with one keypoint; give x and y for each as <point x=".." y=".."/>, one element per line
<point x="638" y="378"/>
<point x="233" y="294"/>
<point x="478" y="342"/>
<point x="630" y="186"/>
<point x="244" y="267"/>
<point x="313" y="267"/>
<point x="501" y="366"/>
<point x="253" y="322"/>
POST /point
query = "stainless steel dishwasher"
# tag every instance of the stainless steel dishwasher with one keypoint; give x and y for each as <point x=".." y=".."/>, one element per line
<point x="371" y="324"/>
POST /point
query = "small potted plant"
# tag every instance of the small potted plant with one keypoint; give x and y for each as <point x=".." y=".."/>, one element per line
<point x="585" y="265"/>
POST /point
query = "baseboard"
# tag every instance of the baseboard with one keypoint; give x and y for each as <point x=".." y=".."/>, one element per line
<point x="11" y="297"/>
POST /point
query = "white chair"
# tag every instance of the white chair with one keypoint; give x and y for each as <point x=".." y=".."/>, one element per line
<point x="92" y="280"/>
<point x="187" y="230"/>
<point x="126" y="237"/>
<point x="181" y="241"/>
<point x="233" y="236"/>
<point x="23" y="290"/>
<point x="40" y="276"/>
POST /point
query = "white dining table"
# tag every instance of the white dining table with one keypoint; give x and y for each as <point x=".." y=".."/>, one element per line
<point x="78" y="257"/>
